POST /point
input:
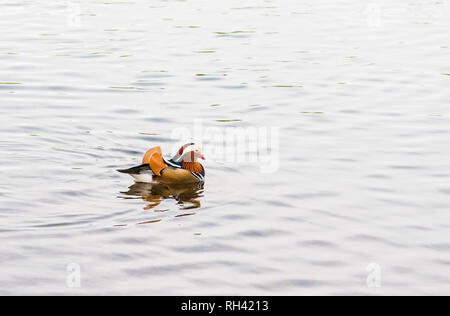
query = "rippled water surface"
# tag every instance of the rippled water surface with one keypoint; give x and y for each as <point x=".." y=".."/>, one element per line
<point x="359" y="90"/>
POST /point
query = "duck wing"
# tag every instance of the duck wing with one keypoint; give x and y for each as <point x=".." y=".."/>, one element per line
<point x="153" y="157"/>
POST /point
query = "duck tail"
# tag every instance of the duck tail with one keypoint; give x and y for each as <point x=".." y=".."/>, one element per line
<point x="135" y="170"/>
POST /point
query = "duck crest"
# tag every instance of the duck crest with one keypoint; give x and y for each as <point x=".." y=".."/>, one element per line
<point x="195" y="167"/>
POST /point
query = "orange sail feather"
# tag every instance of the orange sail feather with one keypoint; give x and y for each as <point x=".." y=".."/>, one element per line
<point x="153" y="157"/>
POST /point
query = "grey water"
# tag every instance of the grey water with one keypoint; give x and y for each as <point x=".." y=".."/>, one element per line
<point x="359" y="203"/>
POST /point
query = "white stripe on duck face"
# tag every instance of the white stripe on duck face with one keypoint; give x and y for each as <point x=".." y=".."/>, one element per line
<point x="180" y="152"/>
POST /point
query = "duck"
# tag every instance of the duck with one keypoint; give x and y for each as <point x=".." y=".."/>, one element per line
<point x="183" y="167"/>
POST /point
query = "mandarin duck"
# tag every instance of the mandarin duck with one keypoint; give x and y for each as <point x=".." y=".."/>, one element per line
<point x="181" y="168"/>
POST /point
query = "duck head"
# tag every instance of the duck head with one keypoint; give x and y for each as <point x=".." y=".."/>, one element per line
<point x="191" y="154"/>
<point x="177" y="156"/>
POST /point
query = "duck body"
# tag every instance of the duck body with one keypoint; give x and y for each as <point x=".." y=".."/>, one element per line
<point x="182" y="168"/>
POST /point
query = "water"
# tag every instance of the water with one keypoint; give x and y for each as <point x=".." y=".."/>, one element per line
<point x="359" y="92"/>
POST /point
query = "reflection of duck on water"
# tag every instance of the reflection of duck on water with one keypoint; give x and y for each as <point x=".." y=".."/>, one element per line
<point x="157" y="192"/>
